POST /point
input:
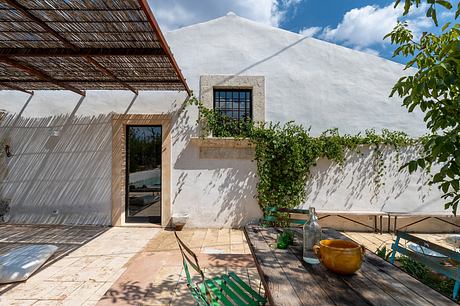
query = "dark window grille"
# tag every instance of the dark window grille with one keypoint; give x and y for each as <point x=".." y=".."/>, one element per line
<point x="234" y="103"/>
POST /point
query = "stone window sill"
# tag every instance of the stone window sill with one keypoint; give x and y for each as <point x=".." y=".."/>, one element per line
<point x="224" y="148"/>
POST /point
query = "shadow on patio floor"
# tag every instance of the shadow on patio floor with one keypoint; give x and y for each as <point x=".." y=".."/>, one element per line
<point x="66" y="238"/>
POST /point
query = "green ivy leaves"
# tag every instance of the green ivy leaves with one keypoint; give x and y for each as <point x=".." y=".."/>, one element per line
<point x="286" y="153"/>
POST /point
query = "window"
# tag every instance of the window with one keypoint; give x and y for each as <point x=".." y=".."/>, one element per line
<point x="234" y="103"/>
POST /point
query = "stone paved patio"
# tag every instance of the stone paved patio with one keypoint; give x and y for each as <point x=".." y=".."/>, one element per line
<point x="156" y="276"/>
<point x="83" y="276"/>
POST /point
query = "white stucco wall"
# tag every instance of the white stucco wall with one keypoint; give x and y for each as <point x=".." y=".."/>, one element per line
<point x="312" y="82"/>
<point x="307" y="80"/>
<point x="61" y="168"/>
<point x="352" y="186"/>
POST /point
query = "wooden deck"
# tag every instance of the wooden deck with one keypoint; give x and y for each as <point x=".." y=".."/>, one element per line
<point x="373" y="241"/>
<point x="290" y="281"/>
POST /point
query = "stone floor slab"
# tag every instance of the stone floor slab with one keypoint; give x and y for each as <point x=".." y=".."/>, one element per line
<point x="82" y="276"/>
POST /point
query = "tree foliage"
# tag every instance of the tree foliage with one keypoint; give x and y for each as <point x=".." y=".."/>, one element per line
<point x="434" y="87"/>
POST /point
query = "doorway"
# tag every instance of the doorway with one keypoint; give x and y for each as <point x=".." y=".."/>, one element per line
<point x="143" y="174"/>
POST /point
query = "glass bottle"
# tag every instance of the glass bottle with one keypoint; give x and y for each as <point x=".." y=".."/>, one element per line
<point x="311" y="236"/>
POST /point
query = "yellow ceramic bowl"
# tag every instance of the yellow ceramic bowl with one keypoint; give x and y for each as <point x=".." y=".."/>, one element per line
<point x="340" y="256"/>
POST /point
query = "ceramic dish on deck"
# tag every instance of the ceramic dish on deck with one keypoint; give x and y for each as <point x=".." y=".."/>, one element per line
<point x="340" y="256"/>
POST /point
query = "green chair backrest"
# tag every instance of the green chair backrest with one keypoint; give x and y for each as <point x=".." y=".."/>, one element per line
<point x="452" y="272"/>
<point x="226" y="290"/>
<point x="275" y="214"/>
<point x="189" y="258"/>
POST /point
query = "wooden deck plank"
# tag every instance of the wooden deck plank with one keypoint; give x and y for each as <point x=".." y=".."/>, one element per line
<point x="293" y="268"/>
<point x="402" y="294"/>
<point x="411" y="285"/>
<point x="285" y="275"/>
<point x="275" y="281"/>
<point x="370" y="291"/>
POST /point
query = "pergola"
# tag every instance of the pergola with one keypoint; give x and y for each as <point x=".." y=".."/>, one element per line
<point x="83" y="45"/>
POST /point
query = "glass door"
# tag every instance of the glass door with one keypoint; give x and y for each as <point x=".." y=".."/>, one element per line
<point x="143" y="174"/>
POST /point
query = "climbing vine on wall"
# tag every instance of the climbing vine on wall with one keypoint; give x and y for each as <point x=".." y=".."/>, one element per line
<point x="286" y="153"/>
<point x="2" y="140"/>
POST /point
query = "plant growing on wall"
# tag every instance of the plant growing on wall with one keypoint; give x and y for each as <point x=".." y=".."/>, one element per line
<point x="434" y="88"/>
<point x="2" y="140"/>
<point x="4" y="203"/>
<point x="286" y="153"/>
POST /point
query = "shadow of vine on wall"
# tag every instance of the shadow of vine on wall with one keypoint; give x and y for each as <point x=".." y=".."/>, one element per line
<point x="362" y="183"/>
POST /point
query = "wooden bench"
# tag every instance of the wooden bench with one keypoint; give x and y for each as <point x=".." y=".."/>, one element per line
<point x="297" y="217"/>
<point x="423" y="216"/>
<point x="450" y="272"/>
<point x="347" y="214"/>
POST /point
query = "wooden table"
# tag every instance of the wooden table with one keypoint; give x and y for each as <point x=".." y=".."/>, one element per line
<point x="288" y="280"/>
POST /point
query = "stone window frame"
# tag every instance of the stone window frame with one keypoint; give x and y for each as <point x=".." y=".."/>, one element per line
<point x="255" y="83"/>
<point x="119" y="123"/>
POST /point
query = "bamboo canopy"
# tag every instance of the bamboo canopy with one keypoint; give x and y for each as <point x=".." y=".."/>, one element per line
<point x="83" y="45"/>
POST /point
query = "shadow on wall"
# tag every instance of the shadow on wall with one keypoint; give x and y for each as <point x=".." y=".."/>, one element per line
<point x="60" y="171"/>
<point x="215" y="192"/>
<point x="361" y="185"/>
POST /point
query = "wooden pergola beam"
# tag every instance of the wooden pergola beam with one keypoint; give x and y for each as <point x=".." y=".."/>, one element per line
<point x="148" y="12"/>
<point x="64" y="52"/>
<point x="39" y="74"/>
<point x="110" y="74"/>
<point x="14" y="87"/>
<point x="41" y="23"/>
<point x="131" y="82"/>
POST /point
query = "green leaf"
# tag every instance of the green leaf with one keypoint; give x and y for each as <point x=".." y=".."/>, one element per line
<point x="421" y="162"/>
<point x="439" y="177"/>
<point x="444" y="3"/>
<point x="407" y="4"/>
<point x="433" y="16"/>
<point x="412" y="166"/>
<point x="455" y="184"/>
<point x="445" y="26"/>
<point x="445" y="187"/>
<point x="429" y="11"/>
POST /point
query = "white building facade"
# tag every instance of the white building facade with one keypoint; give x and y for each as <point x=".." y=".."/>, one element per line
<point x="69" y="153"/>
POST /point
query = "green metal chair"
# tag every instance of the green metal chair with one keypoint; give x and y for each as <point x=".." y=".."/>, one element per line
<point x="227" y="289"/>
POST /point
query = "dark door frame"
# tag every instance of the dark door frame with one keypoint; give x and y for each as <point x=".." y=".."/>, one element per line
<point x="133" y="219"/>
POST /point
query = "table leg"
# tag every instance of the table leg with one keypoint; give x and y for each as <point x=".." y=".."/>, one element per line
<point x="388" y="221"/>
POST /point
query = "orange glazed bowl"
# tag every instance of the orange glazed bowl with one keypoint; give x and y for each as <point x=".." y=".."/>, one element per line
<point x="340" y="256"/>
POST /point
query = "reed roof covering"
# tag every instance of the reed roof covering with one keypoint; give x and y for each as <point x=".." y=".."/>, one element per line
<point x="82" y="45"/>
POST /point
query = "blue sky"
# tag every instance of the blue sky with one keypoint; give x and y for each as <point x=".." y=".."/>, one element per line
<point x="356" y="24"/>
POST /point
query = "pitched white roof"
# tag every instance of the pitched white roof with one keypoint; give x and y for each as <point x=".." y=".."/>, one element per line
<point x="313" y="82"/>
